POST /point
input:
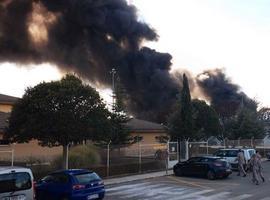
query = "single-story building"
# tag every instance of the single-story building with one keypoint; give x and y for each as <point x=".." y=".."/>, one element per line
<point x="148" y="132"/>
<point x="6" y="104"/>
<point x="24" y="151"/>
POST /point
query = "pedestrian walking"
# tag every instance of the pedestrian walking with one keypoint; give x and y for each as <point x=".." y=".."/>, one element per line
<point x="256" y="165"/>
<point x="241" y="162"/>
<point x="255" y="169"/>
<point x="259" y="158"/>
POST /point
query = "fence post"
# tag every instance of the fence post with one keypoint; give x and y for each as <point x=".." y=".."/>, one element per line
<point x="187" y="149"/>
<point x="67" y="156"/>
<point x="108" y="158"/>
<point x="140" y="158"/>
<point x="167" y="159"/>
<point x="264" y="148"/>
<point x="178" y="150"/>
<point x="12" y="157"/>
<point x="207" y="146"/>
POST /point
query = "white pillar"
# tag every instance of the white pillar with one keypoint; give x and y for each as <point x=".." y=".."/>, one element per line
<point x="187" y="150"/>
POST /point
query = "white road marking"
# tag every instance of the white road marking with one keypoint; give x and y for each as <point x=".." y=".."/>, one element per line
<point x="167" y="194"/>
<point x="192" y="195"/>
<point x="241" y="197"/>
<point x="220" y="195"/>
<point x="125" y="187"/>
<point x="137" y="191"/>
<point x="160" y="191"/>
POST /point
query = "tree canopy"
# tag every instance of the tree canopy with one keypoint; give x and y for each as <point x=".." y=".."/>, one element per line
<point x="206" y="121"/>
<point x="57" y="113"/>
<point x="118" y="134"/>
<point x="246" y="124"/>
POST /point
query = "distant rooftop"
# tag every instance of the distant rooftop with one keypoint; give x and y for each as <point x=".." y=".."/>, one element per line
<point x="138" y="125"/>
<point x="7" y="99"/>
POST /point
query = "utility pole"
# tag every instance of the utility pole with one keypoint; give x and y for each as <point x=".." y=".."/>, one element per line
<point x="113" y="72"/>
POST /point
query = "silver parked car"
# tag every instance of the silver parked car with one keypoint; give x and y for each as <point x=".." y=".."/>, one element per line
<point x="16" y="183"/>
<point x="231" y="154"/>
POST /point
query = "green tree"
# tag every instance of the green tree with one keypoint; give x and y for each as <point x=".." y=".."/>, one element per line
<point x="180" y="123"/>
<point x="247" y="125"/>
<point x="58" y="113"/>
<point x="206" y="121"/>
<point x="119" y="134"/>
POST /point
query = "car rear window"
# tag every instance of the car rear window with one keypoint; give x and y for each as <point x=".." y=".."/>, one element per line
<point x="227" y="153"/>
<point x="87" y="177"/>
<point x="251" y="152"/>
<point x="15" y="182"/>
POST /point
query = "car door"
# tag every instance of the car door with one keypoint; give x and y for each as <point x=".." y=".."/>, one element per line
<point x="193" y="166"/>
<point x="57" y="186"/>
<point x="42" y="187"/>
<point x="202" y="166"/>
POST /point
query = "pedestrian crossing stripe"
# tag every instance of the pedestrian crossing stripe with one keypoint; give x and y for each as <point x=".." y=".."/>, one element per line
<point x="159" y="191"/>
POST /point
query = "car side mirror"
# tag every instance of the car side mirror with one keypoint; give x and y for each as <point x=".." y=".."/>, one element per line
<point x="48" y="180"/>
<point x="40" y="181"/>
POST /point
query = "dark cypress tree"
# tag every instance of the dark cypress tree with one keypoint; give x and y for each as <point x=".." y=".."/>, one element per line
<point x="180" y="123"/>
<point x="186" y="111"/>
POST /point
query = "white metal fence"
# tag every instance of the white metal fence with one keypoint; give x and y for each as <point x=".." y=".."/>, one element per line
<point x="208" y="147"/>
<point x="7" y="155"/>
<point x="141" y="157"/>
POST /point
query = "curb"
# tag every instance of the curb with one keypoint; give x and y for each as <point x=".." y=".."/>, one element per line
<point x="136" y="177"/>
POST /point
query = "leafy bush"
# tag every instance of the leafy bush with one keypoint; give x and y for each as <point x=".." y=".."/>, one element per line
<point x="81" y="156"/>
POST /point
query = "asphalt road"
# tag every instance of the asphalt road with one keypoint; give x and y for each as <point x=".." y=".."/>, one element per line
<point x="177" y="188"/>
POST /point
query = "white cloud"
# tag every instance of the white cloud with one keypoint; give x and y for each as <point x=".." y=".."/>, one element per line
<point x="15" y="79"/>
<point x="210" y="34"/>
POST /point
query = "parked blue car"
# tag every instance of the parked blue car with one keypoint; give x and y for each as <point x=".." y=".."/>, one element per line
<point x="76" y="184"/>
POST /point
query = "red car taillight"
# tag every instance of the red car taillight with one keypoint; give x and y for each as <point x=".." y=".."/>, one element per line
<point x="78" y="187"/>
<point x="34" y="189"/>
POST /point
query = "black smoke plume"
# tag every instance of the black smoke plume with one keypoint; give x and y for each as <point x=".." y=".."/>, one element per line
<point x="90" y="37"/>
<point x="225" y="96"/>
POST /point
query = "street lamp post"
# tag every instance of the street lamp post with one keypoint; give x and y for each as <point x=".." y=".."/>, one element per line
<point x="113" y="72"/>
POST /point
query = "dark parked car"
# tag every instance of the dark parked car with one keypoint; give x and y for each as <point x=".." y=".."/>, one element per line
<point x="206" y="166"/>
<point x="76" y="184"/>
<point x="268" y="156"/>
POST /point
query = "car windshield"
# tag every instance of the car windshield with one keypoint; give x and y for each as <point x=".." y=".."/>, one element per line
<point x="13" y="182"/>
<point x="226" y="153"/>
<point x="87" y="177"/>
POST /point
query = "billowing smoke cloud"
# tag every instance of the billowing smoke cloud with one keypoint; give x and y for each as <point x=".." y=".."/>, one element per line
<point x="90" y="37"/>
<point x="225" y="96"/>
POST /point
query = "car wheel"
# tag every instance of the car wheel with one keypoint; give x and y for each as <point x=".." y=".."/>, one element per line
<point x="178" y="172"/>
<point x="226" y="176"/>
<point x="210" y="175"/>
